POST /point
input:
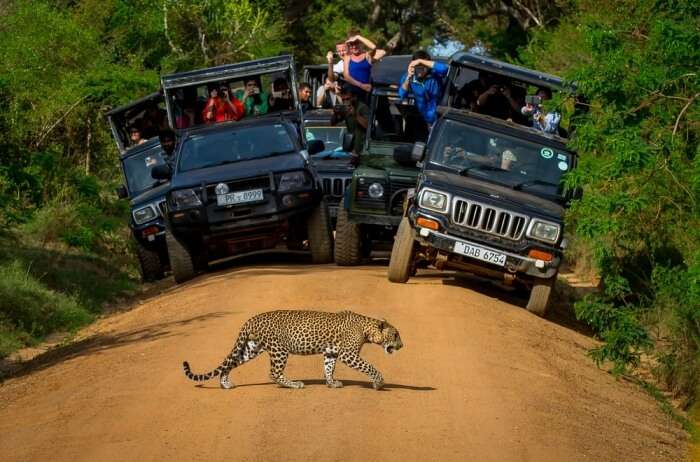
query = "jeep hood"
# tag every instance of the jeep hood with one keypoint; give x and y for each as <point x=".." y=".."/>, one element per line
<point x="238" y="170"/>
<point x="151" y="195"/>
<point x="492" y="193"/>
<point x="388" y="164"/>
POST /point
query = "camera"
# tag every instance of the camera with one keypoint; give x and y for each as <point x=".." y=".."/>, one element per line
<point x="533" y="100"/>
<point x="420" y="69"/>
<point x="255" y="91"/>
<point x="341" y="109"/>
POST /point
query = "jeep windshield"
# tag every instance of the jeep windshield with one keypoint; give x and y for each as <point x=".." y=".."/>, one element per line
<point x="332" y="137"/>
<point x="234" y="145"/>
<point x="491" y="156"/>
<point x="137" y="170"/>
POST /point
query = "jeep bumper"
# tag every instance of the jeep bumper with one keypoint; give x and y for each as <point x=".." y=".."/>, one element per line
<point x="515" y="264"/>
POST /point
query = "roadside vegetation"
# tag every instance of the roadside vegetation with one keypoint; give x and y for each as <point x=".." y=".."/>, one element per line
<point x="64" y="247"/>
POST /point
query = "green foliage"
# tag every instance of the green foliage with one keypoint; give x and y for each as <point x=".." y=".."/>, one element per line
<point x="29" y="311"/>
<point x="210" y="32"/>
<point x="637" y="61"/>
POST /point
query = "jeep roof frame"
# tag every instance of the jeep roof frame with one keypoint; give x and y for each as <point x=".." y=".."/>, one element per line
<point x="113" y="114"/>
<point x="227" y="72"/>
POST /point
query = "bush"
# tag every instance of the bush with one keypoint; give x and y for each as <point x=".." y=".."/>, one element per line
<point x="29" y="311"/>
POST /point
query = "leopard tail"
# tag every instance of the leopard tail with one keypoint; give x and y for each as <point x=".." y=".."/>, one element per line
<point x="231" y="361"/>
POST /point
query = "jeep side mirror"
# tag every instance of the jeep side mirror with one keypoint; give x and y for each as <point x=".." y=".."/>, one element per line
<point x="315" y="146"/>
<point x="121" y="191"/>
<point x="161" y="172"/>
<point x="418" y="151"/>
<point x="409" y="155"/>
<point x="348" y="142"/>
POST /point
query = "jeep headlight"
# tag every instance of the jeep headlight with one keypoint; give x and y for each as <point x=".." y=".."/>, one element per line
<point x="544" y="231"/>
<point x="184" y="198"/>
<point x="144" y="214"/>
<point x="434" y="200"/>
<point x="375" y="190"/>
<point x="291" y="181"/>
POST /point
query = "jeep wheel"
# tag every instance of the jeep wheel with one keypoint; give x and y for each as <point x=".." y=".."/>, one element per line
<point x="539" y="296"/>
<point x="320" y="238"/>
<point x="181" y="262"/>
<point x="401" y="263"/>
<point x="348" y="246"/>
<point x="149" y="262"/>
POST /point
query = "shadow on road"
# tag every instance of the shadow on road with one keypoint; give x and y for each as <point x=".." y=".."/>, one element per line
<point x="96" y="344"/>
<point x="561" y="309"/>
<point x="346" y="384"/>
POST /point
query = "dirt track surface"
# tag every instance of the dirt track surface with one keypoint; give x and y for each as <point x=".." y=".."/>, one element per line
<point x="478" y="379"/>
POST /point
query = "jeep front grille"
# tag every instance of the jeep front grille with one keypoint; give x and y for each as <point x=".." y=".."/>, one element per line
<point x="488" y="219"/>
<point x="335" y="187"/>
<point x="161" y="208"/>
<point x="397" y="192"/>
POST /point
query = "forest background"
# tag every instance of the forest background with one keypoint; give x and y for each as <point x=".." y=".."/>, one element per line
<point x="64" y="245"/>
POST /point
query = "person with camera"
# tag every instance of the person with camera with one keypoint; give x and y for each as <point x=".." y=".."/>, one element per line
<point x="355" y="113"/>
<point x="328" y="95"/>
<point x="548" y="122"/>
<point x="254" y="99"/>
<point x="424" y="79"/>
<point x="334" y="70"/>
<point x="281" y="98"/>
<point x="222" y="106"/>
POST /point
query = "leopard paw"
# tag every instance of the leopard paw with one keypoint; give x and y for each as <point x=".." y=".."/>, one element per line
<point x="378" y="385"/>
<point x="335" y="384"/>
<point x="296" y="384"/>
<point x="225" y="383"/>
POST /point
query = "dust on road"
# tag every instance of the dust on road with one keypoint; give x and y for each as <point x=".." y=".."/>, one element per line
<point x="479" y="378"/>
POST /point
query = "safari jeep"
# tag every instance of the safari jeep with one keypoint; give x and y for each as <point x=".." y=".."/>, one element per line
<point x="241" y="186"/>
<point x="147" y="196"/>
<point x="489" y="199"/>
<point x="373" y="201"/>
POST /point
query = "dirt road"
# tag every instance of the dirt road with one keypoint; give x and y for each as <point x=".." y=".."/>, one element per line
<point x="478" y="379"/>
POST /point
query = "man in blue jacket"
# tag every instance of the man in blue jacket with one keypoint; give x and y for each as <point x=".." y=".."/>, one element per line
<point x="425" y="80"/>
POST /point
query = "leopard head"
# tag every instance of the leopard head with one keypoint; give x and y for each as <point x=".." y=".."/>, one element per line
<point x="387" y="336"/>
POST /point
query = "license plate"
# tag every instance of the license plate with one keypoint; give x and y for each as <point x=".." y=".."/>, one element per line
<point x="240" y="197"/>
<point x="480" y="253"/>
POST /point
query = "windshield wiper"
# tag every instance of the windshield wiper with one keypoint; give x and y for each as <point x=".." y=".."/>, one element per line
<point x="493" y="168"/>
<point x="521" y="185"/>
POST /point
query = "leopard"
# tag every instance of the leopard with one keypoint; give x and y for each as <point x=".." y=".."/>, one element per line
<point x="338" y="336"/>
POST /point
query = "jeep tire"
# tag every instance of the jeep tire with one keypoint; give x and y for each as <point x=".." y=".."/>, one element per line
<point x="149" y="263"/>
<point x="540" y="295"/>
<point x="348" y="245"/>
<point x="319" y="233"/>
<point x="181" y="262"/>
<point x="401" y="263"/>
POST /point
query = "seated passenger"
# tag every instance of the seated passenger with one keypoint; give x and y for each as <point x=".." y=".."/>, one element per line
<point x="254" y="99"/>
<point x="167" y="144"/>
<point x="305" y="97"/>
<point x="548" y="122"/>
<point x="222" y="106"/>
<point x="424" y="79"/>
<point x="328" y="95"/>
<point x="490" y="95"/>
<point x="135" y="135"/>
<point x="281" y="98"/>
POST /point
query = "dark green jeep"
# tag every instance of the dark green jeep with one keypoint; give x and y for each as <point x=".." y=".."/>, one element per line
<point x="373" y="202"/>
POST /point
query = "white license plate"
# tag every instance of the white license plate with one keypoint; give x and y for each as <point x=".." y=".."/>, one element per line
<point x="480" y="253"/>
<point x="240" y="197"/>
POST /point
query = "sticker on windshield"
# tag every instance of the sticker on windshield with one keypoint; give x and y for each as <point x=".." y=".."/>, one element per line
<point x="547" y="153"/>
<point x="561" y="157"/>
<point x="150" y="161"/>
<point x="563" y="166"/>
